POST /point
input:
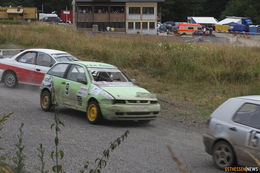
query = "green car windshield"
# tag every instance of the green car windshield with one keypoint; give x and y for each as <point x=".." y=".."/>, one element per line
<point x="107" y="75"/>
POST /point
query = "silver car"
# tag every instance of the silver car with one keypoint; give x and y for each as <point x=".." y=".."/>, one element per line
<point x="233" y="136"/>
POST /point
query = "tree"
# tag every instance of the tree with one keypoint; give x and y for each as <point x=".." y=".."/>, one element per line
<point x="214" y="8"/>
<point x="243" y="8"/>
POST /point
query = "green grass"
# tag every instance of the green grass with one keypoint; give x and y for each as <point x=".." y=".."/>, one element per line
<point x="13" y="22"/>
<point x="198" y="74"/>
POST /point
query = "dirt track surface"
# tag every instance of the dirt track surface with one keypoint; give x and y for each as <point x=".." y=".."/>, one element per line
<point x="144" y="151"/>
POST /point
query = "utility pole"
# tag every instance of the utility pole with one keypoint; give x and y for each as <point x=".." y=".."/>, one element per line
<point x="42" y="6"/>
<point x="66" y="10"/>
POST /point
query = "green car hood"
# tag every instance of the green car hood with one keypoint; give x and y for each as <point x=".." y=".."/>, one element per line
<point x="129" y="93"/>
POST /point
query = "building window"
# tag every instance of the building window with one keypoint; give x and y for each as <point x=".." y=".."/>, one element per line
<point x="137" y="25"/>
<point x="85" y="24"/>
<point x="151" y="25"/>
<point x="148" y="10"/>
<point x="117" y="25"/>
<point x="101" y="10"/>
<point x="130" y="25"/>
<point x="117" y="10"/>
<point x="134" y="10"/>
<point x="84" y="10"/>
<point x="145" y="25"/>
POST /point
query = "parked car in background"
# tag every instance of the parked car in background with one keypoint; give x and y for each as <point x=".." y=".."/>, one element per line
<point x="49" y="17"/>
<point x="101" y="90"/>
<point x="29" y="66"/>
<point x="202" y="33"/>
<point x="52" y="20"/>
<point x="233" y="135"/>
<point x="188" y="28"/>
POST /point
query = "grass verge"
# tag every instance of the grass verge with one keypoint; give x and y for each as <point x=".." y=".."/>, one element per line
<point x="196" y="74"/>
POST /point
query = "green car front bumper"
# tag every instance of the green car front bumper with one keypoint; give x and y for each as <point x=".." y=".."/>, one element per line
<point x="130" y="111"/>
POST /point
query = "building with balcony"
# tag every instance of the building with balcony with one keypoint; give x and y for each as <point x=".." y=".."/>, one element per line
<point x="130" y="16"/>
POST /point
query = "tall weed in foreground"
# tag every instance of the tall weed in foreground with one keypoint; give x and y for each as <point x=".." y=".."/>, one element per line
<point x="101" y="162"/>
<point x="253" y="157"/>
<point x="182" y="167"/>
<point x="41" y="157"/>
<point x="57" y="154"/>
<point x="19" y="157"/>
<point x="3" y="166"/>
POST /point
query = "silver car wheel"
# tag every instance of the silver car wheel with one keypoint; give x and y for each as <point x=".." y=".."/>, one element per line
<point x="10" y="80"/>
<point x="223" y="155"/>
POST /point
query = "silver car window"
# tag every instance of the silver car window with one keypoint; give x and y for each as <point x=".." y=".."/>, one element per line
<point x="44" y="60"/>
<point x="249" y="115"/>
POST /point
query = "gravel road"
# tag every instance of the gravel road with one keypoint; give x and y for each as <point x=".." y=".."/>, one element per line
<point x="144" y="151"/>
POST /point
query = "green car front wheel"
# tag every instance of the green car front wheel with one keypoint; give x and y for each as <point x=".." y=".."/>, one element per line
<point x="93" y="112"/>
<point x="46" y="103"/>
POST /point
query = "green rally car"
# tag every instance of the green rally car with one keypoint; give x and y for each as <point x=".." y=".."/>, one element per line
<point x="101" y="90"/>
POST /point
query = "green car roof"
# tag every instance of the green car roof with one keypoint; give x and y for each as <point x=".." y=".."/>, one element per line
<point x="93" y="64"/>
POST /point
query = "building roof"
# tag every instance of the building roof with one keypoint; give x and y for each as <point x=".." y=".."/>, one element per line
<point x="204" y="20"/>
<point x="119" y="0"/>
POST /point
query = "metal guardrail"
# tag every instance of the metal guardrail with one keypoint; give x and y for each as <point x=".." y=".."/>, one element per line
<point x="9" y="52"/>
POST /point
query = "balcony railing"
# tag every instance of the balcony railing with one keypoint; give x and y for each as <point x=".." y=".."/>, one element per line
<point x="101" y="17"/>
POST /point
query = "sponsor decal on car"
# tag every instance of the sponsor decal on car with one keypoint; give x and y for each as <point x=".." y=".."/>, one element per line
<point x="106" y="95"/>
<point x="47" y="81"/>
<point x="114" y="84"/>
<point x="95" y="90"/>
<point x="83" y="91"/>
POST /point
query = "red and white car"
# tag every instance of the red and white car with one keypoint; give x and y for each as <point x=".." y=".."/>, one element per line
<point x="30" y="66"/>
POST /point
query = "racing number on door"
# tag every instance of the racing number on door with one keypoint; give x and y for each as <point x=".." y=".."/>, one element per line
<point x="67" y="87"/>
<point x="253" y="140"/>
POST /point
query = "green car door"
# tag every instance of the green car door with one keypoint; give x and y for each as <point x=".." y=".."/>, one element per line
<point x="55" y="79"/>
<point x="76" y="88"/>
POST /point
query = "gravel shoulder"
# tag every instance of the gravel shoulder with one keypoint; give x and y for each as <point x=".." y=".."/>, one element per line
<point x="144" y="151"/>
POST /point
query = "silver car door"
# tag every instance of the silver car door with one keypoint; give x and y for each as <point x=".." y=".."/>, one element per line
<point x="245" y="134"/>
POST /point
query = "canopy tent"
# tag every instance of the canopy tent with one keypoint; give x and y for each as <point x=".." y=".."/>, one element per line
<point x="203" y="20"/>
<point x="229" y="21"/>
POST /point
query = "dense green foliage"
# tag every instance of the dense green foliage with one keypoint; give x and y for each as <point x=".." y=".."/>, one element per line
<point x="175" y="10"/>
<point x="248" y="8"/>
<point x="178" y="10"/>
